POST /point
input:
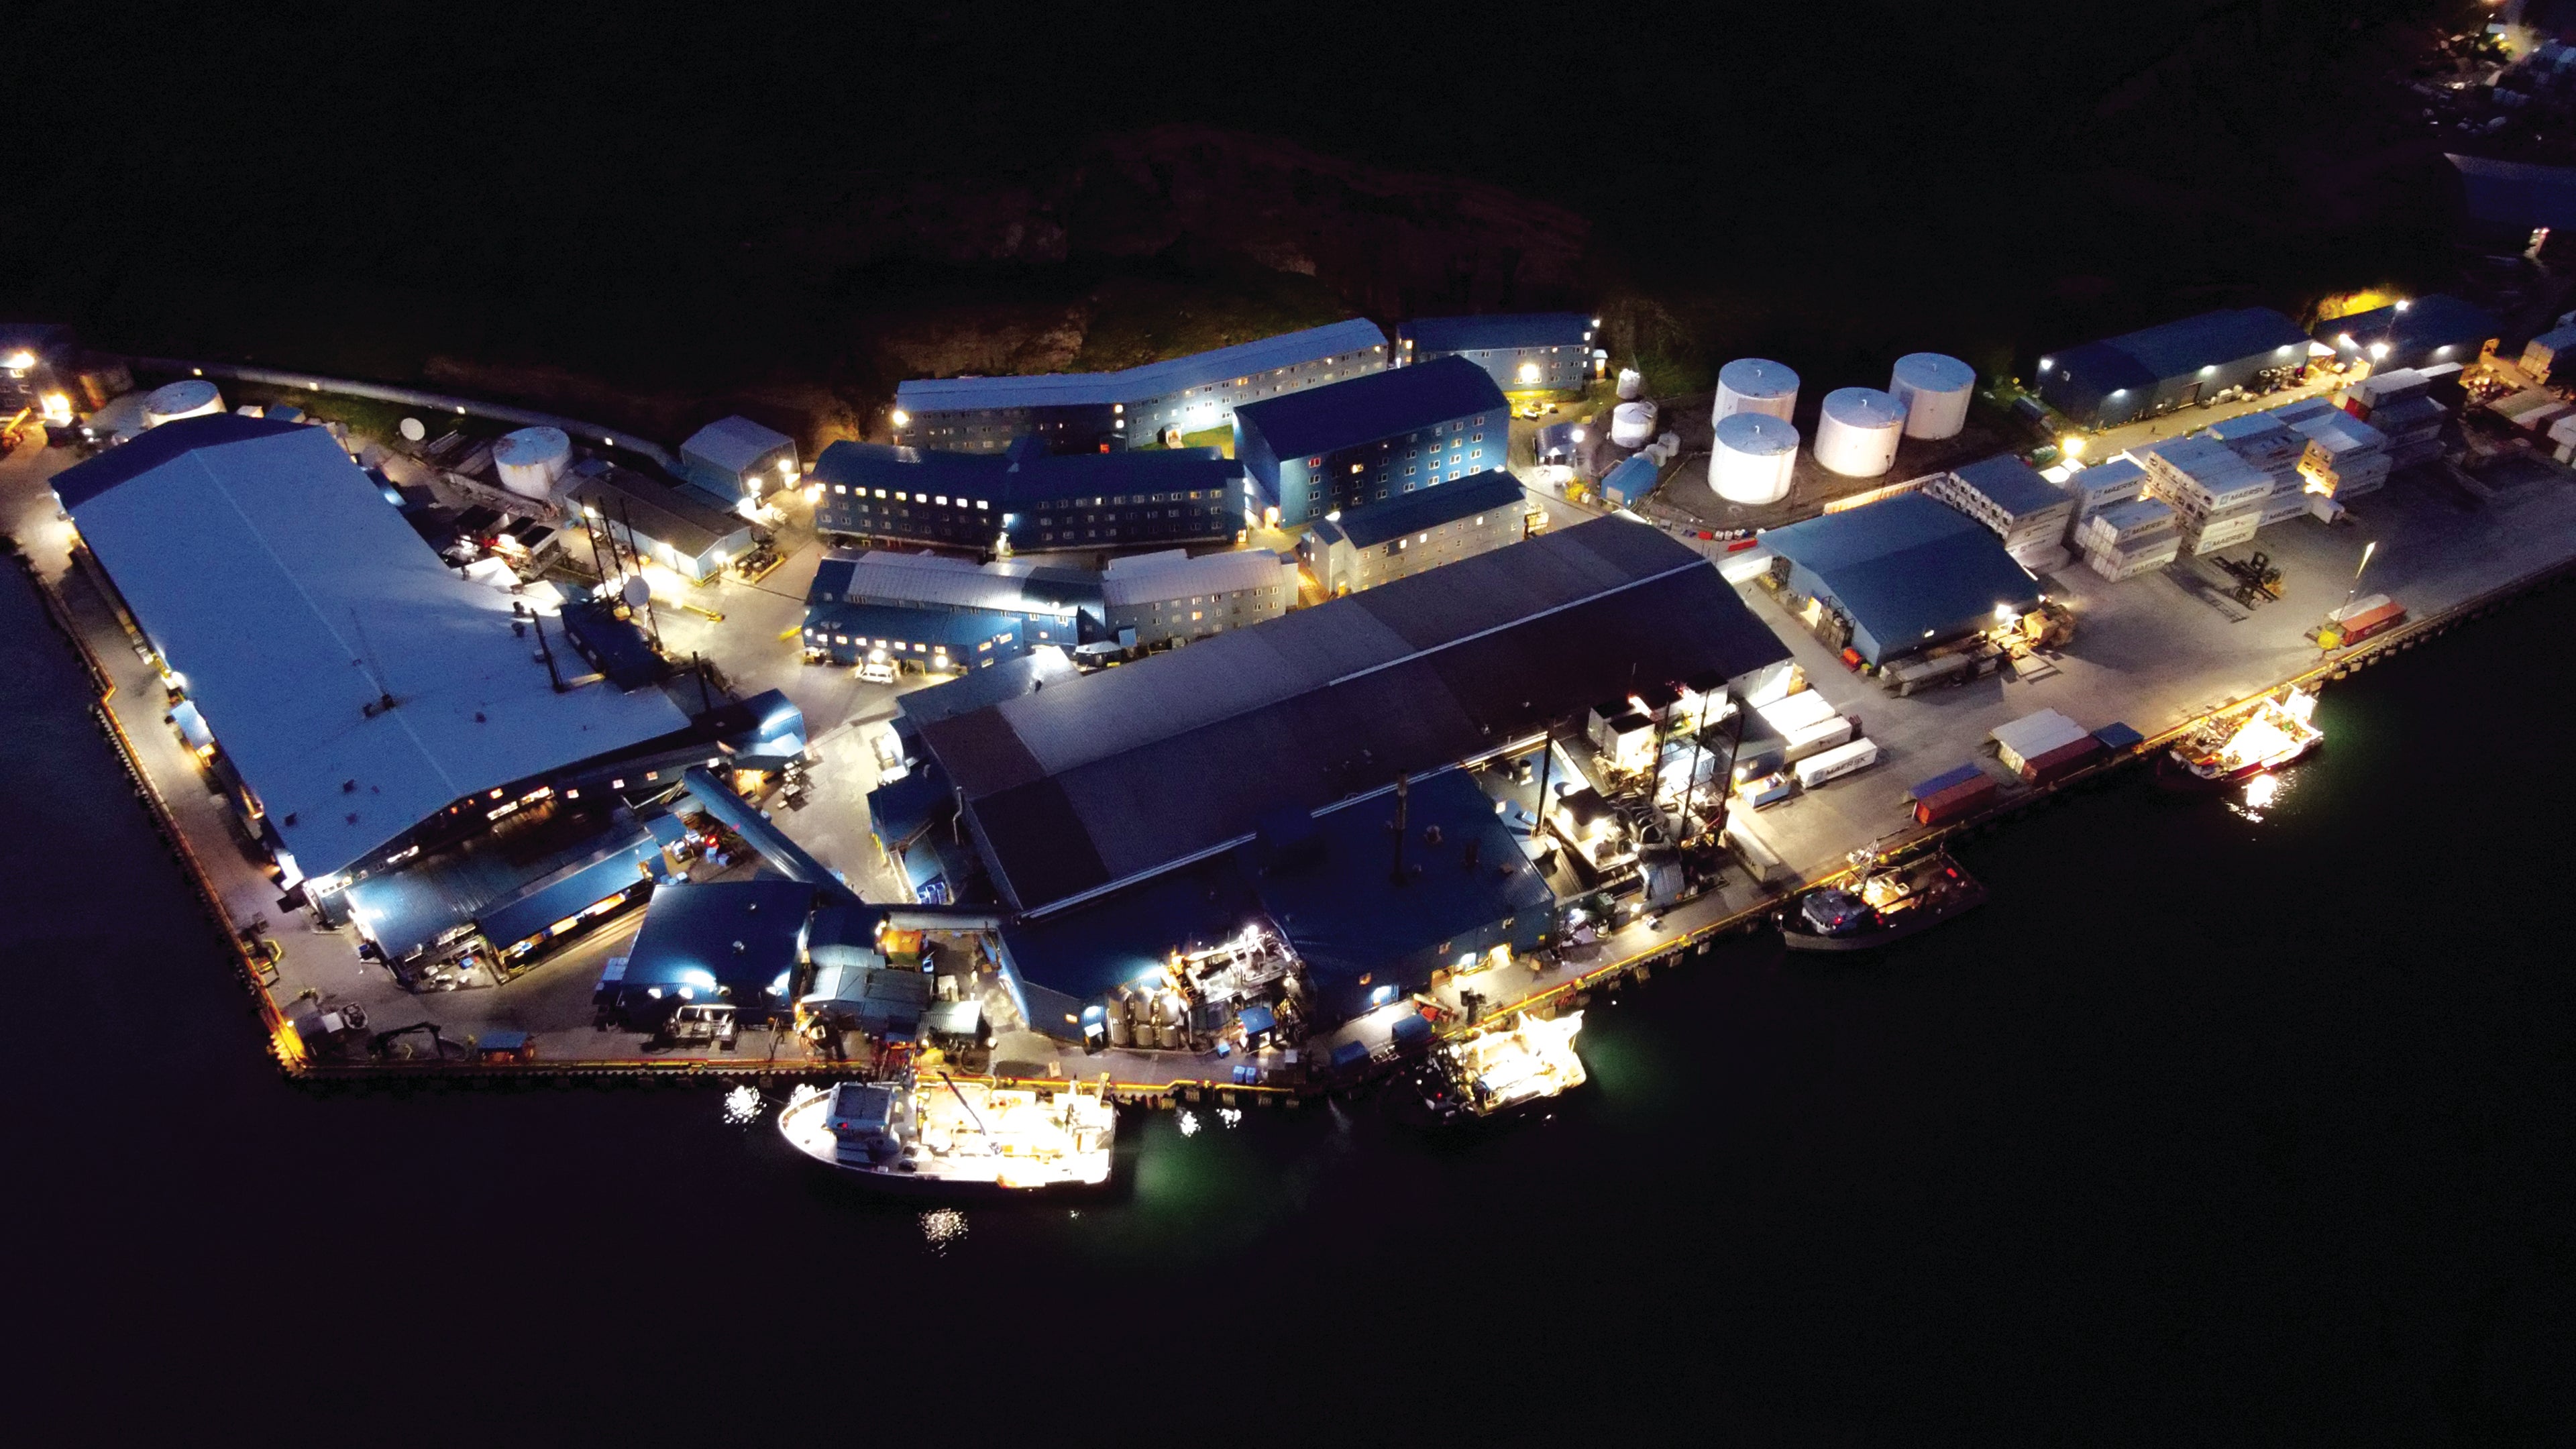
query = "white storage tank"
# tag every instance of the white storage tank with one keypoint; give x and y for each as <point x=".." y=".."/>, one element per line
<point x="1934" y="389"/>
<point x="1756" y="385"/>
<point x="189" y="397"/>
<point x="532" y="460"/>
<point x="1632" y="424"/>
<point x="1857" y="434"/>
<point x="1632" y="384"/>
<point x="1752" y="457"/>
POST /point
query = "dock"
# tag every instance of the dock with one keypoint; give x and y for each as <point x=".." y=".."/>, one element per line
<point x="2162" y="653"/>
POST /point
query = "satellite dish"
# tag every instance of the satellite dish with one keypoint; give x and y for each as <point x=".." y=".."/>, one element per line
<point x="635" y="591"/>
<point x="412" y="430"/>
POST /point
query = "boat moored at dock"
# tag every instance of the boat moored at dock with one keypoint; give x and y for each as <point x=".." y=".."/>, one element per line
<point x="946" y="1136"/>
<point x="1495" y="1070"/>
<point x="1885" y="903"/>
<point x="2274" y="734"/>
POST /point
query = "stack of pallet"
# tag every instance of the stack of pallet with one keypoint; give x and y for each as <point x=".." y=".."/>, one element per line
<point x="2346" y="457"/>
<point x="2128" y="539"/>
<point x="2218" y="495"/>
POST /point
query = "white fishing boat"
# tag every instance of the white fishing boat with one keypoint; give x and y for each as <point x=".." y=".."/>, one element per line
<point x="931" y="1132"/>
<point x="2273" y="734"/>
<point x="1496" y="1069"/>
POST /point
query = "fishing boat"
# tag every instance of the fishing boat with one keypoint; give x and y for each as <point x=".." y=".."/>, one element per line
<point x="1883" y="904"/>
<point x="2273" y="734"/>
<point x="1494" y="1070"/>
<point x="928" y="1131"/>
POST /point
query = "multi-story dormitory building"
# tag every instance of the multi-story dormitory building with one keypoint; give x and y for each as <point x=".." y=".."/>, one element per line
<point x="1523" y="352"/>
<point x="1029" y="501"/>
<point x="1166" y="598"/>
<point x="1378" y="543"/>
<point x="1373" y="438"/>
<point x="1134" y="407"/>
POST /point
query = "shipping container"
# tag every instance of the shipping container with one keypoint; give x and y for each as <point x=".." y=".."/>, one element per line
<point x="2362" y="625"/>
<point x="1960" y="800"/>
<point x="1837" y="762"/>
<point x="2057" y="764"/>
<point x="1814" y="739"/>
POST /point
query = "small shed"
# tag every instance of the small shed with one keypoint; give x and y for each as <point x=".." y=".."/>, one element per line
<point x="735" y="458"/>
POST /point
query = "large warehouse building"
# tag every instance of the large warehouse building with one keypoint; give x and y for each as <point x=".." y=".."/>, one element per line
<point x="1112" y="783"/>
<point x="1372" y="439"/>
<point x="1898" y="576"/>
<point x="2420" y="332"/>
<point x="1080" y="412"/>
<point x="365" y="695"/>
<point x="2139" y="374"/>
<point x="1030" y="500"/>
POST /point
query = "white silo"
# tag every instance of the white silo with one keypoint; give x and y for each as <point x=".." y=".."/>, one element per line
<point x="1752" y="458"/>
<point x="1632" y="384"/>
<point x="1934" y="389"/>
<point x="189" y="397"/>
<point x="1756" y="385"/>
<point x="1632" y="424"/>
<point x="1857" y="434"/>
<point x="531" y="460"/>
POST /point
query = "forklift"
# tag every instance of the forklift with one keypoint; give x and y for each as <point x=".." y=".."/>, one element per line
<point x="2257" y="582"/>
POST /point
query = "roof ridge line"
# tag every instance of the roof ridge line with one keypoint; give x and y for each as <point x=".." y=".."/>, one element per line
<point x="1514" y="623"/>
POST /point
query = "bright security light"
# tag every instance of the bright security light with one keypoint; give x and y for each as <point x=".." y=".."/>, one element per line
<point x="19" y="361"/>
<point x="2378" y="350"/>
<point x="902" y="419"/>
<point x="1529" y="372"/>
<point x="2071" y="445"/>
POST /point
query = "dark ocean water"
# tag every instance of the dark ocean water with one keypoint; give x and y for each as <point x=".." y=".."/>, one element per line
<point x="2243" y="1123"/>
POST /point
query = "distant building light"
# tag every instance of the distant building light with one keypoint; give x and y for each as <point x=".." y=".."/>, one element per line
<point x="902" y="419"/>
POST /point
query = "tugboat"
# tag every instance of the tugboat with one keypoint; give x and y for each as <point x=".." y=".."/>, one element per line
<point x="1881" y="905"/>
<point x="1495" y="1070"/>
<point x="955" y="1138"/>
<point x="2273" y="734"/>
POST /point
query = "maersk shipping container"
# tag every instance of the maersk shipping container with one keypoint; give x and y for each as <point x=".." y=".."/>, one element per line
<point x="1837" y="762"/>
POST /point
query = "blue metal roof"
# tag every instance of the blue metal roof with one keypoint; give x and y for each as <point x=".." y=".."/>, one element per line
<point x="266" y="567"/>
<point x="1153" y="380"/>
<point x="960" y="629"/>
<point x="1095" y="949"/>
<point x="1426" y="508"/>
<point x="2180" y="348"/>
<point x="1365" y="409"/>
<point x="738" y="934"/>
<point x="1342" y="909"/>
<point x="405" y="910"/>
<point x="568" y="893"/>
<point x="1504" y="330"/>
<point x="1633" y="479"/>
<point x="1907" y="566"/>
<point x="81" y="482"/>
<point x="1031" y="672"/>
<point x="2516" y="195"/>
<point x="2011" y="484"/>
<point x="734" y="443"/>
<point x="1025" y="476"/>
<point x="2414" y="327"/>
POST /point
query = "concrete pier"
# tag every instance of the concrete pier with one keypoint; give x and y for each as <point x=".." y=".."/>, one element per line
<point x="2159" y="653"/>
